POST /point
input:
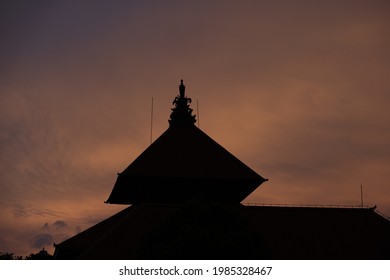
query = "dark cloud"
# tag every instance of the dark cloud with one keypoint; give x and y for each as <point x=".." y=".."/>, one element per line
<point x="60" y="224"/>
<point x="41" y="240"/>
<point x="19" y="211"/>
<point x="27" y="211"/>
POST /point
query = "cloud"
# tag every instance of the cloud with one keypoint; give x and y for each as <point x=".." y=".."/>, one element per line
<point x="27" y="211"/>
<point x="60" y="224"/>
<point x="41" y="240"/>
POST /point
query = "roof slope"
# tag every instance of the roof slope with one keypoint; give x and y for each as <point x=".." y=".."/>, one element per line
<point x="117" y="237"/>
<point x="73" y="247"/>
<point x="201" y="231"/>
<point x="182" y="164"/>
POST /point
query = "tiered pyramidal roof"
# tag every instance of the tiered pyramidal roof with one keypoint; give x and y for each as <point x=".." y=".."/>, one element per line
<point x="184" y="164"/>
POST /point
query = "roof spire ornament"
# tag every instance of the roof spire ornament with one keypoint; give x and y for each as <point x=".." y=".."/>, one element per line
<point x="182" y="89"/>
<point x="181" y="112"/>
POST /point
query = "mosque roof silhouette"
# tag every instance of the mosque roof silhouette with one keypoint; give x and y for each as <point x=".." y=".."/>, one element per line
<point x="185" y="192"/>
<point x="182" y="164"/>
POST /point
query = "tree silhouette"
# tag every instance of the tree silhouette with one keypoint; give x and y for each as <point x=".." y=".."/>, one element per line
<point x="41" y="255"/>
<point x="9" y="256"/>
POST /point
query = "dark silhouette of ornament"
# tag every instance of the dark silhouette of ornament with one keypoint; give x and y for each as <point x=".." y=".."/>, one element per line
<point x="182" y="113"/>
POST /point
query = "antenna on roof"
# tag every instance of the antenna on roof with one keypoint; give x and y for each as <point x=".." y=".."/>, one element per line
<point x="151" y="124"/>
<point x="361" y="194"/>
<point x="197" y="112"/>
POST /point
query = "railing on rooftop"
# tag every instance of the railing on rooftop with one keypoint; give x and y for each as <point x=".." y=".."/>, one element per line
<point x="310" y="205"/>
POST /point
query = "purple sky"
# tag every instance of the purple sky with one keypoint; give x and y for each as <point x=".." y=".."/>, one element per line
<point x="298" y="90"/>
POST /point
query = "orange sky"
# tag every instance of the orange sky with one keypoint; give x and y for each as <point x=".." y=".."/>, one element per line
<point x="298" y="90"/>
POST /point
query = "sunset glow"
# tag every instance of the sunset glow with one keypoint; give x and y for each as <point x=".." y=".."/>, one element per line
<point x="297" y="90"/>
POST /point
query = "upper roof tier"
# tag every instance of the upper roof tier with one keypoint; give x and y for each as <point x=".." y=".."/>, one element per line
<point x="184" y="164"/>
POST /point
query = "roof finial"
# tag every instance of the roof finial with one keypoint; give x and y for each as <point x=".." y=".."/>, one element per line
<point x="182" y="113"/>
<point x="182" y="88"/>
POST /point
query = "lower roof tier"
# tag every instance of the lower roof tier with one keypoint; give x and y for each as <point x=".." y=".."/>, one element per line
<point x="209" y="231"/>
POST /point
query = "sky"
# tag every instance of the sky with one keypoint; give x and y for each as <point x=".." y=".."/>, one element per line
<point x="297" y="90"/>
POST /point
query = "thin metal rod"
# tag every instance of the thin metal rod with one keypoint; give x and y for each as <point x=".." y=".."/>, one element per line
<point x="197" y="112"/>
<point x="361" y="194"/>
<point x="151" y="124"/>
